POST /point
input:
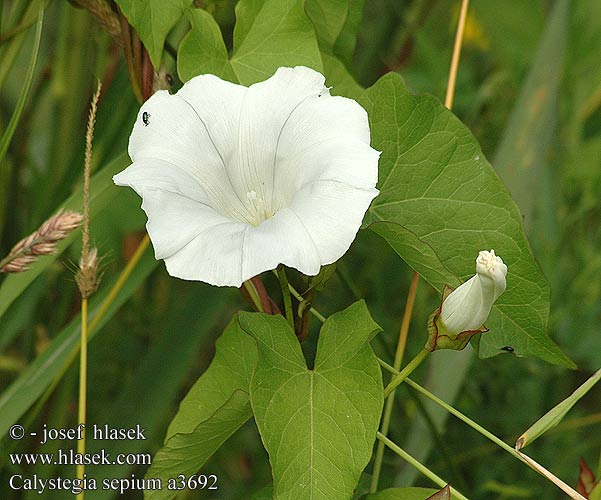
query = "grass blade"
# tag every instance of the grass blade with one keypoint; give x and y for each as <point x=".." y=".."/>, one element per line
<point x="556" y="414"/>
<point x="14" y="120"/>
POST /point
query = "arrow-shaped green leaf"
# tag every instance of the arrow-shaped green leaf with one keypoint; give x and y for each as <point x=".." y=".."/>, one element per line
<point x="318" y="425"/>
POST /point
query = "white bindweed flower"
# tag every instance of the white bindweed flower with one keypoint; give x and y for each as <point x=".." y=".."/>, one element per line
<point x="236" y="180"/>
<point x="468" y="306"/>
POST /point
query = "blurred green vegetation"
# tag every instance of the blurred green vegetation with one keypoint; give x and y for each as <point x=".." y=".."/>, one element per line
<point x="529" y="87"/>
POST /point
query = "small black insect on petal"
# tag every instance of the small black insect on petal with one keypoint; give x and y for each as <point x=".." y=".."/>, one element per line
<point x="507" y="348"/>
<point x="146" y="118"/>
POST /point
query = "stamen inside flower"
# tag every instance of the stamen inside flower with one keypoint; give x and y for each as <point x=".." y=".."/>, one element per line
<point x="257" y="208"/>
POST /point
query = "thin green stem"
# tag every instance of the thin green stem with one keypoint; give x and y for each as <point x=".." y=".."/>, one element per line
<point x="443" y="452"/>
<point x="451" y="410"/>
<point x="405" y="372"/>
<point x="520" y="456"/>
<point x="254" y="295"/>
<point x="100" y="312"/>
<point x="285" y="286"/>
<point x="83" y="384"/>
<point x="463" y="418"/>
<point x="418" y="465"/>
<point x="398" y="361"/>
<point x="300" y="298"/>
<point x="388" y="367"/>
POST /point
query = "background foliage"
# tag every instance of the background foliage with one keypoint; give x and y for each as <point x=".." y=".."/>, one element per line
<point x="529" y="89"/>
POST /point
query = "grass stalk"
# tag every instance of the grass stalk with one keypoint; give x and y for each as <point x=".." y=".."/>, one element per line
<point x="83" y="384"/>
<point x="93" y="324"/>
<point x="87" y="280"/>
<point x="398" y="361"/>
<point x="450" y="95"/>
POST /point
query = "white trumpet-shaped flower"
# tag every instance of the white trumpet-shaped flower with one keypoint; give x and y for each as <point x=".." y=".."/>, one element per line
<point x="236" y="180"/>
<point x="468" y="306"/>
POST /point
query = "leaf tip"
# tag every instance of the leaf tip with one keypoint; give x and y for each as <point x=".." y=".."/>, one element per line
<point x="521" y="442"/>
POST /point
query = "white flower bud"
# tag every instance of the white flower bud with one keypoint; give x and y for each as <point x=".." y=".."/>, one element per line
<point x="468" y="306"/>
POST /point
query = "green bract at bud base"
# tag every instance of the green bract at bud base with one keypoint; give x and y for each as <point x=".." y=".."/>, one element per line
<point x="440" y="338"/>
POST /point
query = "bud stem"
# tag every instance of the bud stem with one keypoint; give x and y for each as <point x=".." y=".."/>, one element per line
<point x="300" y="298"/>
<point x="405" y="372"/>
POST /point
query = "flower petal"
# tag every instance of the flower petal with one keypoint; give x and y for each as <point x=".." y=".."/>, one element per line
<point x="332" y="213"/>
<point x="328" y="139"/>
<point x="177" y="208"/>
<point x="266" y="110"/>
<point x="463" y="310"/>
<point x="214" y="256"/>
<point x="218" y="105"/>
<point x="159" y="174"/>
<point x="491" y="266"/>
<point x="282" y="239"/>
<point x="236" y="181"/>
<point x="196" y="242"/>
<point x="170" y="128"/>
<point x="468" y="307"/>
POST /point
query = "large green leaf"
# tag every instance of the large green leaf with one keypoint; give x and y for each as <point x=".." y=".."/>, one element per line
<point x="336" y="23"/>
<point x="440" y="203"/>
<point x="216" y="406"/>
<point x="328" y="17"/>
<point x="268" y="34"/>
<point x="338" y="77"/>
<point x="203" y="50"/>
<point x="280" y="34"/>
<point x="153" y="19"/>
<point x="318" y="425"/>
